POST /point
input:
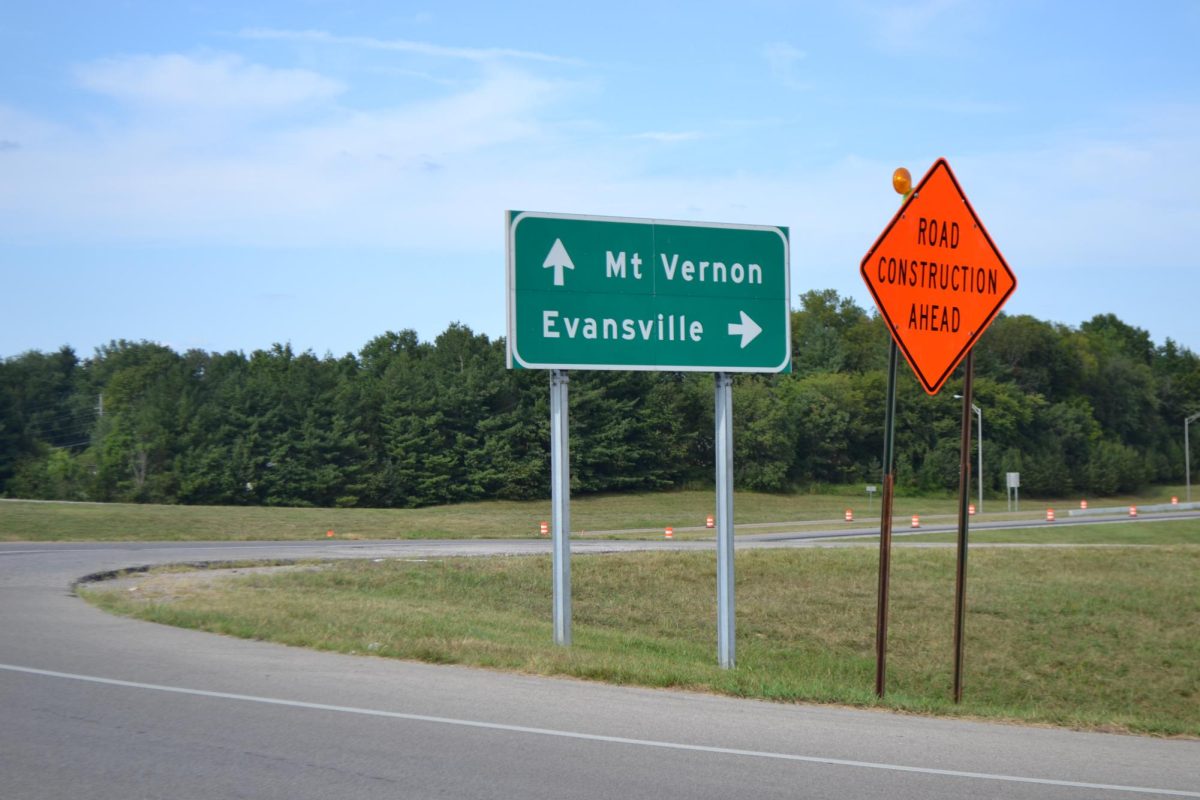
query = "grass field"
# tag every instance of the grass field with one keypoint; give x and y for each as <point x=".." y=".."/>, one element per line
<point x="649" y="513"/>
<point x="1148" y="532"/>
<point x="30" y="521"/>
<point x="1105" y="639"/>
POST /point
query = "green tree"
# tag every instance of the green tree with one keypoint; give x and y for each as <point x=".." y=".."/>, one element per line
<point x="836" y="437"/>
<point x="1033" y="354"/>
<point x="833" y="334"/>
<point x="138" y="436"/>
<point x="764" y="436"/>
<point x="613" y="447"/>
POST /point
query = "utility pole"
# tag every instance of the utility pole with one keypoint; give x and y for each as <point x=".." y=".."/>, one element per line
<point x="1187" y="454"/>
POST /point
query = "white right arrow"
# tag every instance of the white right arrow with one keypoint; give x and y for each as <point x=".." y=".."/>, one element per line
<point x="747" y="329"/>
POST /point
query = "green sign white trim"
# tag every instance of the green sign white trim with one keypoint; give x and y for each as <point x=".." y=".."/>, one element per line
<point x="615" y="293"/>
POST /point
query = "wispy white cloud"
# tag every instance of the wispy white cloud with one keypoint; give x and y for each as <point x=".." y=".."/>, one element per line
<point x="909" y="27"/>
<point x="421" y="75"/>
<point x="404" y="46"/>
<point x="783" y="58"/>
<point x="425" y="175"/>
<point x="322" y="175"/>
<point x="1096" y="203"/>
<point x="946" y="105"/>
<point x="212" y="82"/>
<point x="668" y="137"/>
<point x="434" y="175"/>
<point x="25" y="129"/>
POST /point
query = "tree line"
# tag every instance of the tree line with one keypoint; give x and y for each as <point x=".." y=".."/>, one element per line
<point x="1094" y="410"/>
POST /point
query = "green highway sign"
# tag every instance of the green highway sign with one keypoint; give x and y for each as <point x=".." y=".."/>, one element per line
<point x="642" y="294"/>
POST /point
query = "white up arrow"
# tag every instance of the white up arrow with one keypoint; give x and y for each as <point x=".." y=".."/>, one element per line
<point x="747" y="329"/>
<point x="558" y="259"/>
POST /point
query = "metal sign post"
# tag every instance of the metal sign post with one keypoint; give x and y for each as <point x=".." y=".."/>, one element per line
<point x="1187" y="455"/>
<point x="560" y="501"/>
<point x="885" y="524"/>
<point x="617" y="293"/>
<point x="726" y="650"/>
<point x="979" y="472"/>
<point x="964" y="491"/>
<point x="902" y="183"/>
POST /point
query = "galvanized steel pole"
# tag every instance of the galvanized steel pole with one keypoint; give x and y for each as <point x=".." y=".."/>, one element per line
<point x="1187" y="454"/>
<point x="979" y="472"/>
<point x="560" y="499"/>
<point x="726" y="649"/>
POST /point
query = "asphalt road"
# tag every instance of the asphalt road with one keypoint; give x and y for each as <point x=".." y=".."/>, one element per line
<point x="94" y="706"/>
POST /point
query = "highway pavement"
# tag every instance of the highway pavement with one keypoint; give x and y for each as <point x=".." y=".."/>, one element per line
<point x="96" y="706"/>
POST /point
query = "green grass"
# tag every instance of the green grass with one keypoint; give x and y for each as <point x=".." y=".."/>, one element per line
<point x="649" y="513"/>
<point x="1157" y="532"/>
<point x="1093" y="639"/>
<point x="34" y="521"/>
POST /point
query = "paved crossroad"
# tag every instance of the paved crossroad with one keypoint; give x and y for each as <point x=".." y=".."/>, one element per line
<point x="102" y="707"/>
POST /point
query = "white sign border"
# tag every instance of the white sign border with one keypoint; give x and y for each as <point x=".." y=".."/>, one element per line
<point x="514" y="357"/>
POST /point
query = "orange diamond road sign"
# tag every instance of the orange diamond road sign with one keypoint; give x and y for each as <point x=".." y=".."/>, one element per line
<point x="937" y="277"/>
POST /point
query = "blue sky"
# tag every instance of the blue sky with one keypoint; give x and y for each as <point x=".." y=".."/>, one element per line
<point x="229" y="175"/>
